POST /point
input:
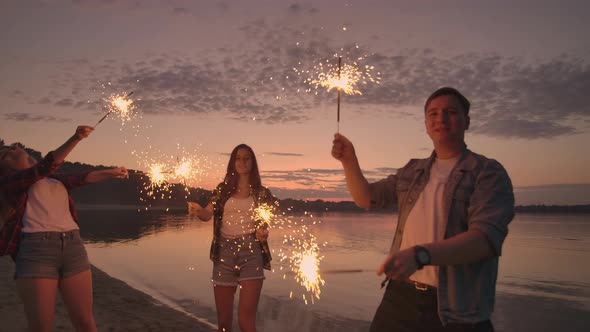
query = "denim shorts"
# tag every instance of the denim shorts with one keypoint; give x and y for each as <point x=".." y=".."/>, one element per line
<point x="240" y="259"/>
<point x="51" y="255"/>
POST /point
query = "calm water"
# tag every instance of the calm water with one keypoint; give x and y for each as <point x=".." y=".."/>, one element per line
<point x="543" y="285"/>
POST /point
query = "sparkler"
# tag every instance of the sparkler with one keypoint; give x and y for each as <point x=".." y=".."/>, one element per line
<point x="164" y="170"/>
<point x="264" y="214"/>
<point x="344" y="78"/>
<point x="120" y="104"/>
<point x="307" y="267"/>
<point x="157" y="175"/>
<point x="339" y="78"/>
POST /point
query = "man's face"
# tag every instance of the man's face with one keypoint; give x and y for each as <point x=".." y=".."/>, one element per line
<point x="446" y="121"/>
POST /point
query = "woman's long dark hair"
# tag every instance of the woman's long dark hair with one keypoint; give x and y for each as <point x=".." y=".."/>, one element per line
<point x="232" y="177"/>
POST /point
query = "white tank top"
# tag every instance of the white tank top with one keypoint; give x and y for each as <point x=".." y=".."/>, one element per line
<point x="237" y="217"/>
<point x="48" y="208"/>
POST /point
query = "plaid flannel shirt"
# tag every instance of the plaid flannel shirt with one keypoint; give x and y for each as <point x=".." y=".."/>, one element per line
<point x="15" y="186"/>
<point x="261" y="196"/>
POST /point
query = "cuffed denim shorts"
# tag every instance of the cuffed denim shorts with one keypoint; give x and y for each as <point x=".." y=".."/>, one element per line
<point x="51" y="255"/>
<point x="240" y="259"/>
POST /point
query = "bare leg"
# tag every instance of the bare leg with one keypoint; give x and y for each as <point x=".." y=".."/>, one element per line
<point x="76" y="292"/>
<point x="38" y="296"/>
<point x="249" y="296"/>
<point x="224" y="301"/>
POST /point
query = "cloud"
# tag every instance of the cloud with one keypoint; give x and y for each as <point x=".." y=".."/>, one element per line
<point x="66" y="102"/>
<point x="181" y="11"/>
<point x="28" y="117"/>
<point x="298" y="8"/>
<point x="263" y="78"/>
<point x="318" y="180"/>
<point x="510" y="97"/>
<point x="519" y="128"/>
<point x="309" y="193"/>
<point x="284" y="154"/>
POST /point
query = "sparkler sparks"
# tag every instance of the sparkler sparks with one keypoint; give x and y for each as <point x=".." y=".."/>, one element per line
<point x="347" y="78"/>
<point x="346" y="81"/>
<point x="264" y="214"/>
<point x="120" y="105"/>
<point x="164" y="171"/>
<point x="344" y="78"/>
<point x="306" y="265"/>
<point x="156" y="175"/>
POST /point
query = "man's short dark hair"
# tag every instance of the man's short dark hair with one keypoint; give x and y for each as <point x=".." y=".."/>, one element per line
<point x="448" y="91"/>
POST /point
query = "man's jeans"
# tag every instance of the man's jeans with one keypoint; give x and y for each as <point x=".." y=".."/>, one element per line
<point x="407" y="309"/>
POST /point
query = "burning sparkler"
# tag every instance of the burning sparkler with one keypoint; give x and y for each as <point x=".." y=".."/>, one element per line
<point x="121" y="105"/>
<point x="306" y="265"/>
<point x="164" y="170"/>
<point x="157" y="175"/>
<point x="264" y="214"/>
<point x="344" y="78"/>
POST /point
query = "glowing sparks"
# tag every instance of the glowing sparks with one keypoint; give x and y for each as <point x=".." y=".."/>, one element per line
<point x="156" y="175"/>
<point x="346" y="81"/>
<point x="120" y="105"/>
<point x="306" y="265"/>
<point x="164" y="172"/>
<point x="264" y="214"/>
<point x="184" y="169"/>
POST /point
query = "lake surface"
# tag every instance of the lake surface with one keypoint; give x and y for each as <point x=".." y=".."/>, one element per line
<point x="543" y="282"/>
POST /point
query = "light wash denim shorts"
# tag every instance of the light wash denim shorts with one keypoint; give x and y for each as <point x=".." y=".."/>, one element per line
<point x="51" y="255"/>
<point x="240" y="259"/>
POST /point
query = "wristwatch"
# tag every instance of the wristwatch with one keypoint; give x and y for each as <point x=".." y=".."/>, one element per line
<point x="422" y="256"/>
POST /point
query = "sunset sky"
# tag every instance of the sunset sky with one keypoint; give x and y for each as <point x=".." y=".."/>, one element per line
<point x="208" y="75"/>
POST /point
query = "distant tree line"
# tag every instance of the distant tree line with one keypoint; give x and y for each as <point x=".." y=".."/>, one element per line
<point x="553" y="208"/>
<point x="133" y="192"/>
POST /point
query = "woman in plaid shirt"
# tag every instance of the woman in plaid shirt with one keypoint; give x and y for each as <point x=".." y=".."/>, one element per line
<point x="40" y="231"/>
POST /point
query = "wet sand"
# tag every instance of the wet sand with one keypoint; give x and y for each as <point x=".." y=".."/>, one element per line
<point x="117" y="307"/>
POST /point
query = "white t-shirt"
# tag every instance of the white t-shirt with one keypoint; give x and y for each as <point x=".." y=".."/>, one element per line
<point x="427" y="216"/>
<point x="237" y="217"/>
<point x="48" y="208"/>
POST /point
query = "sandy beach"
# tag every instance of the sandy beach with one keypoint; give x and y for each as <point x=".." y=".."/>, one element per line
<point x="117" y="307"/>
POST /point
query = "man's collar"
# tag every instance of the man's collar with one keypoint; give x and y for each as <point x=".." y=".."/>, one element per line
<point x="462" y="164"/>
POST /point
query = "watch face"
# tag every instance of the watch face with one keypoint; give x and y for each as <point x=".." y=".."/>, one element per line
<point x="423" y="257"/>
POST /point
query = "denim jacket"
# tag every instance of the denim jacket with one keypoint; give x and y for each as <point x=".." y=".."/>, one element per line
<point x="260" y="196"/>
<point x="478" y="195"/>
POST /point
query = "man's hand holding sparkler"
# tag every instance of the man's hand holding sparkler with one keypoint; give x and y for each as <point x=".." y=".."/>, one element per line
<point x="399" y="266"/>
<point x="343" y="150"/>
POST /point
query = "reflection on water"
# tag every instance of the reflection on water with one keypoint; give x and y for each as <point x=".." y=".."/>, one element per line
<point x="166" y="255"/>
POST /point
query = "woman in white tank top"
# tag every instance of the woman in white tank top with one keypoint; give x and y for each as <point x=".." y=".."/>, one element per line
<point x="38" y="213"/>
<point x="239" y="249"/>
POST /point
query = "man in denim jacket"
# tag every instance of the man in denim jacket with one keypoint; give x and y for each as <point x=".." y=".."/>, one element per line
<point x="454" y="210"/>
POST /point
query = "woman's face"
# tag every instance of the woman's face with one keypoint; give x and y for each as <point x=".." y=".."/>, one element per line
<point x="14" y="158"/>
<point x="243" y="162"/>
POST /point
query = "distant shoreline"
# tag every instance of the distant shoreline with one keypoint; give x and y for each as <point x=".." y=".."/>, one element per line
<point x="320" y="206"/>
